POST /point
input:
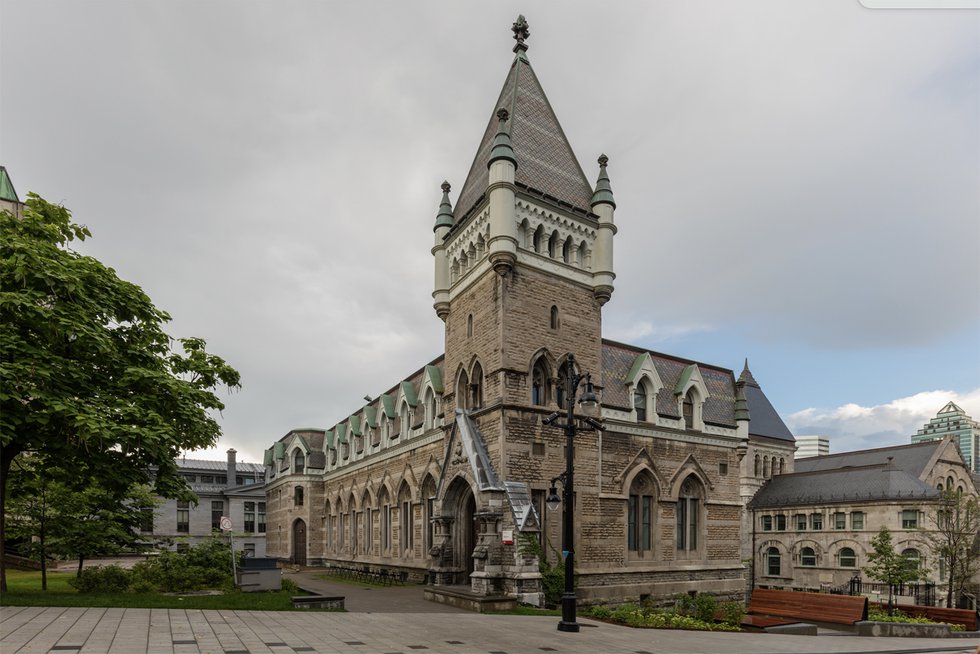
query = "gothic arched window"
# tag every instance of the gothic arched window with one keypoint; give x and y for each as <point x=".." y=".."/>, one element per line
<point x="641" y="507"/>
<point x="689" y="516"/>
<point x="539" y="384"/>
<point x="640" y="401"/>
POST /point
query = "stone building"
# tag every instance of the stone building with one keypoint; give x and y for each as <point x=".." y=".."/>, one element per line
<point x="224" y="488"/>
<point x="443" y="476"/>
<point x="812" y="529"/>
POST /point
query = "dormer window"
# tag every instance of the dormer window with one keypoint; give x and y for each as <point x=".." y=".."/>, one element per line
<point x="299" y="462"/>
<point x="689" y="410"/>
<point x="640" y="402"/>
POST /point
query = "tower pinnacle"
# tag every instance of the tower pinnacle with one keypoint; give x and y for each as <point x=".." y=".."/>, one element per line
<point x="521" y="32"/>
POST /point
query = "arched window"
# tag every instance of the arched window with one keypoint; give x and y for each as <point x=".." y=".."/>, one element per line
<point x="476" y="387"/>
<point x="368" y="538"/>
<point x="553" y="245"/>
<point x="949" y="483"/>
<point x="299" y="462"/>
<point x="384" y="506"/>
<point x="355" y="524"/>
<point x="538" y="240"/>
<point x="430" y="409"/>
<point x="765" y="467"/>
<point x="913" y="559"/>
<point x="327" y="525"/>
<point x="563" y="373"/>
<point x="406" y="523"/>
<point x="689" y="518"/>
<point x="582" y="253"/>
<point x="405" y="419"/>
<point x="463" y="390"/>
<point x="640" y="401"/>
<point x="554" y="317"/>
<point x="782" y="462"/>
<point x="428" y="512"/>
<point x="846" y="558"/>
<point x="689" y="410"/>
<point x="758" y="465"/>
<point x="469" y="325"/>
<point x="808" y="558"/>
<point x="539" y="383"/>
<point x="774" y="562"/>
<point x="298" y="496"/>
<point x="567" y="249"/>
<point x="641" y="508"/>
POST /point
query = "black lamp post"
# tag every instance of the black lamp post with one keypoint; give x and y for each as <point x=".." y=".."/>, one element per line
<point x="567" y="480"/>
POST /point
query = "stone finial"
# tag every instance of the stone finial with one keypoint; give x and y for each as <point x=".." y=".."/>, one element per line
<point x="446" y="187"/>
<point x="503" y="115"/>
<point x="521" y="33"/>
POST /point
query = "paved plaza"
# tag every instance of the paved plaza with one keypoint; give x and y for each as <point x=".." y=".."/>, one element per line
<point x="388" y="620"/>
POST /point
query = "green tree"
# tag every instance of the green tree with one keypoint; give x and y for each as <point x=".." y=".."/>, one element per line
<point x="887" y="565"/>
<point x="954" y="541"/>
<point x="89" y="376"/>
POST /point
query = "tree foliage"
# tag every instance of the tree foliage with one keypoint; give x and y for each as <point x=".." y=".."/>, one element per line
<point x="954" y="541"/>
<point x="887" y="565"/>
<point x="89" y="376"/>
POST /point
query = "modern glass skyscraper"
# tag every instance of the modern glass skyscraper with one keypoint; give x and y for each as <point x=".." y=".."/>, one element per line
<point x="952" y="420"/>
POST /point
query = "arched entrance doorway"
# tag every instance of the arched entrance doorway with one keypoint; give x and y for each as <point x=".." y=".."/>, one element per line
<point x="459" y="505"/>
<point x="299" y="542"/>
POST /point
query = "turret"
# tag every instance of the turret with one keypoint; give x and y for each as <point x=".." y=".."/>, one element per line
<point x="444" y="222"/>
<point x="603" y="205"/>
<point x="502" y="246"/>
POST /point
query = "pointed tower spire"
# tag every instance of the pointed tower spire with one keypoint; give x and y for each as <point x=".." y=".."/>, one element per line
<point x="444" y="222"/>
<point x="603" y="191"/>
<point x="445" y="216"/>
<point x="604" y="206"/>
<point x="746" y="376"/>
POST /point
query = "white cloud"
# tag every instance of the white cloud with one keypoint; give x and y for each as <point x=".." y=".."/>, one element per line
<point x="853" y="427"/>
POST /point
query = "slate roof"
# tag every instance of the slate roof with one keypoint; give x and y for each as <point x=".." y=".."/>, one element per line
<point x="886" y="473"/>
<point x="763" y="419"/>
<point x="546" y="165"/>
<point x="218" y="466"/>
<point x="911" y="458"/>
<point x="867" y="483"/>
<point x="618" y="358"/>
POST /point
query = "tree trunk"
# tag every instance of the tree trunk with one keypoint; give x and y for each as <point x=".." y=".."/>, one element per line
<point x="7" y="455"/>
<point x="44" y="558"/>
<point x="81" y="559"/>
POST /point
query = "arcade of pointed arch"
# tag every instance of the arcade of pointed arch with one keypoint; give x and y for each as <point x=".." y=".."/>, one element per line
<point x="555" y="236"/>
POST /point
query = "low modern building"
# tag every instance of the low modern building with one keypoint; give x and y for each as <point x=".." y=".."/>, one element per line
<point x="812" y="529"/>
<point x="811" y="445"/>
<point x="224" y="488"/>
<point x="953" y="421"/>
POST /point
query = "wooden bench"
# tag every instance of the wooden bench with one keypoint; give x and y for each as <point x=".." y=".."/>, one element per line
<point x="767" y="607"/>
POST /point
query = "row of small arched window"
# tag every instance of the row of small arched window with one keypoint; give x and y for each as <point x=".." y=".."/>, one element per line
<point x="766" y="467"/>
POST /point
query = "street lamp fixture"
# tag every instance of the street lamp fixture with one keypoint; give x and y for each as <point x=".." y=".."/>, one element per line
<point x="589" y="406"/>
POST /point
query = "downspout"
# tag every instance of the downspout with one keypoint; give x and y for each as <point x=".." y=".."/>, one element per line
<point x="754" y="554"/>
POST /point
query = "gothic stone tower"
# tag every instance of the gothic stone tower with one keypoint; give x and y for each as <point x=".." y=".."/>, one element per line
<point x="523" y="266"/>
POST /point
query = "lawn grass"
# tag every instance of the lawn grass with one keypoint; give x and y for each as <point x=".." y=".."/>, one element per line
<point x="24" y="589"/>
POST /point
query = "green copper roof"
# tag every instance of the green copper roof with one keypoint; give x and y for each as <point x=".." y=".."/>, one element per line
<point x="280" y="450"/>
<point x="306" y="446"/>
<point x="635" y="368"/>
<point x="328" y="437"/>
<point x="354" y="425"/>
<point x="341" y="433"/>
<point x="7" y="191"/>
<point x="502" y="148"/>
<point x="445" y="216"/>
<point x="409" y="392"/>
<point x="388" y="404"/>
<point x="268" y="460"/>
<point x="435" y="375"/>
<point x="603" y="191"/>
<point x="685" y="377"/>
<point x="371" y="416"/>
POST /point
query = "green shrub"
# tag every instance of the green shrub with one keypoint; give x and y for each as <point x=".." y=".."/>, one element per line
<point x="733" y="612"/>
<point x="701" y="607"/>
<point x="204" y="566"/>
<point x="600" y="612"/>
<point x="101" y="579"/>
<point x="290" y="586"/>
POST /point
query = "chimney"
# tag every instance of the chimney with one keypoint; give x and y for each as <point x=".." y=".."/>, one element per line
<point x="232" y="468"/>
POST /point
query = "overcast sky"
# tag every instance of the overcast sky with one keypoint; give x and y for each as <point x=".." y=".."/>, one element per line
<point x="796" y="183"/>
